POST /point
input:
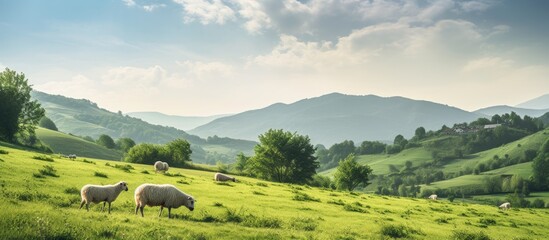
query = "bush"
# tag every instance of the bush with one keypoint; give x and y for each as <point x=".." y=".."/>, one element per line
<point x="299" y="196"/>
<point x="43" y="158"/>
<point x="398" y="231"/>
<point x="464" y="235"/>
<point x="48" y="170"/>
<point x="2" y="151"/>
<point x="304" y="224"/>
<point x="100" y="174"/>
<point x="538" y="203"/>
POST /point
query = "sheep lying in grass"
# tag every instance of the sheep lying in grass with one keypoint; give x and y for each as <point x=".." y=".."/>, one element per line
<point x="97" y="193"/>
<point x="222" y="177"/>
<point x="164" y="195"/>
<point x="433" y="197"/>
<point x="505" y="206"/>
<point x="161" y="166"/>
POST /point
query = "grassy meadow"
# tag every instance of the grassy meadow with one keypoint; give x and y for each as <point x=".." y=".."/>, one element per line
<point x="39" y="198"/>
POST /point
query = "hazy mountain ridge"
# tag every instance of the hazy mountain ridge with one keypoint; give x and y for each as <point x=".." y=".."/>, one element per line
<point x="336" y="117"/>
<point x="503" y="109"/>
<point x="184" y="123"/>
<point x="541" y="102"/>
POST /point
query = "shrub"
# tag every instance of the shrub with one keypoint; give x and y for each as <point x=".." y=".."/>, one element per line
<point x="398" y="231"/>
<point x="336" y="202"/>
<point x="2" y="151"/>
<point x="100" y="174"/>
<point x="48" y="170"/>
<point x="43" y="158"/>
<point x="353" y="208"/>
<point x="145" y="172"/>
<point x="538" y="203"/>
<point x="261" y="184"/>
<point x="125" y="168"/>
<point x="91" y="162"/>
<point x="464" y="235"/>
<point x="299" y="196"/>
<point x="301" y="223"/>
<point x="487" y="221"/>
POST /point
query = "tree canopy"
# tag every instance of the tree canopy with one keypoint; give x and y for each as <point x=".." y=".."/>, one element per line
<point x="175" y="153"/>
<point x="20" y="115"/>
<point x="45" y="122"/>
<point x="350" y="174"/>
<point x="284" y="157"/>
<point x="106" y="141"/>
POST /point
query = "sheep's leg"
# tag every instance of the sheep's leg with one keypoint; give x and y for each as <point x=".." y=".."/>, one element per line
<point x="160" y="213"/>
<point x="103" y="208"/>
<point x="88" y="206"/>
<point x="169" y="212"/>
<point x="109" y="207"/>
<point x="82" y="204"/>
<point x="141" y="208"/>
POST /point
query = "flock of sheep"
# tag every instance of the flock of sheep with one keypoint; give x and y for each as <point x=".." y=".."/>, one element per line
<point x="163" y="195"/>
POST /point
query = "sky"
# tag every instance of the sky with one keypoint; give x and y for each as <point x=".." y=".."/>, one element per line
<point x="208" y="57"/>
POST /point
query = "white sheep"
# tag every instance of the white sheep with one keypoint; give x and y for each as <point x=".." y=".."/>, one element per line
<point x="222" y="177"/>
<point x="505" y="206"/>
<point x="163" y="195"/>
<point x="97" y="193"/>
<point x="433" y="197"/>
<point x="161" y="166"/>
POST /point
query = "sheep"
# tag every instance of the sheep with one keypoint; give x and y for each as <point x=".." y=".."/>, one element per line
<point x="97" y="193"/>
<point x="161" y="166"/>
<point x="505" y="206"/>
<point x="72" y="156"/>
<point x="163" y="195"/>
<point x="222" y="177"/>
<point x="433" y="197"/>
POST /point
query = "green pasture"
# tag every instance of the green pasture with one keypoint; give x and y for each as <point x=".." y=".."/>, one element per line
<point x="36" y="205"/>
<point x="65" y="144"/>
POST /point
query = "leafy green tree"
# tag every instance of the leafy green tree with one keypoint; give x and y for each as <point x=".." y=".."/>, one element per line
<point x="540" y="167"/>
<point x="45" y="122"/>
<point x="241" y="163"/>
<point x="106" y="141"/>
<point x="420" y="133"/>
<point x="350" y="174"/>
<point x="179" y="151"/>
<point x="19" y="113"/>
<point x="145" y="153"/>
<point x="125" y="144"/>
<point x="284" y="157"/>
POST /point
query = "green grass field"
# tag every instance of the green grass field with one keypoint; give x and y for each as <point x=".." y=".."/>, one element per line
<point x="35" y="205"/>
<point x="66" y="144"/>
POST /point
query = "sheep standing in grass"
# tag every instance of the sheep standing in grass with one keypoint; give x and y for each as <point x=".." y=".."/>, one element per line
<point x="161" y="166"/>
<point x="222" y="177"/>
<point x="505" y="206"/>
<point x="97" y="193"/>
<point x="433" y="197"/>
<point x="164" y="195"/>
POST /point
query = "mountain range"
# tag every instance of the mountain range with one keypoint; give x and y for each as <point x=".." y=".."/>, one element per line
<point x="336" y="117"/>
<point x="180" y="122"/>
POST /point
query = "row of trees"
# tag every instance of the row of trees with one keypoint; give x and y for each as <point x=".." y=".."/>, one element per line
<point x="175" y="153"/>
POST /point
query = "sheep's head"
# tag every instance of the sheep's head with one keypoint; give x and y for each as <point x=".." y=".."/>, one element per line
<point x="123" y="186"/>
<point x="234" y="179"/>
<point x="190" y="203"/>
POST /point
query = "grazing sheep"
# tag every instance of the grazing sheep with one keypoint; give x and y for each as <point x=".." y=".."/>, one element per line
<point x="163" y="195"/>
<point x="161" y="166"/>
<point x="505" y="206"/>
<point x="72" y="156"/>
<point x="433" y="197"/>
<point x="97" y="193"/>
<point x="222" y="177"/>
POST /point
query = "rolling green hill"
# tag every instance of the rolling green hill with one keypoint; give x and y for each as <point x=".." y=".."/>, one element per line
<point x="37" y="205"/>
<point x="84" y="118"/>
<point x="66" y="144"/>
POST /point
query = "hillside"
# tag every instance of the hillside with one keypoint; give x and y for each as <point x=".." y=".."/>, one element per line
<point x="66" y="144"/>
<point x="336" y="117"/>
<point x="184" y="123"/>
<point x="36" y="205"/>
<point x="541" y="102"/>
<point x="81" y="117"/>
<point x="491" y="111"/>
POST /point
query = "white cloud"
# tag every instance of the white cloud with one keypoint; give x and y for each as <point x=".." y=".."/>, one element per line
<point x="129" y="3"/>
<point x="201" y="70"/>
<point x="255" y="18"/>
<point x="476" y="5"/>
<point x="152" y="7"/>
<point x="491" y="63"/>
<point x="133" y="76"/>
<point x="206" y="11"/>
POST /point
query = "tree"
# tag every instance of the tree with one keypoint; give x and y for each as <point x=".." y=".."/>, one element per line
<point x="106" y="141"/>
<point x="241" y="163"/>
<point x="145" y="153"/>
<point x="284" y="157"/>
<point x="19" y="113"/>
<point x="540" y="167"/>
<point x="350" y="174"/>
<point x="179" y="151"/>
<point x="45" y="122"/>
<point x="420" y="133"/>
<point x="125" y="144"/>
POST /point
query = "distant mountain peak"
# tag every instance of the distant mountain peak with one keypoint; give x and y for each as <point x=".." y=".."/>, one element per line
<point x="541" y="102"/>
